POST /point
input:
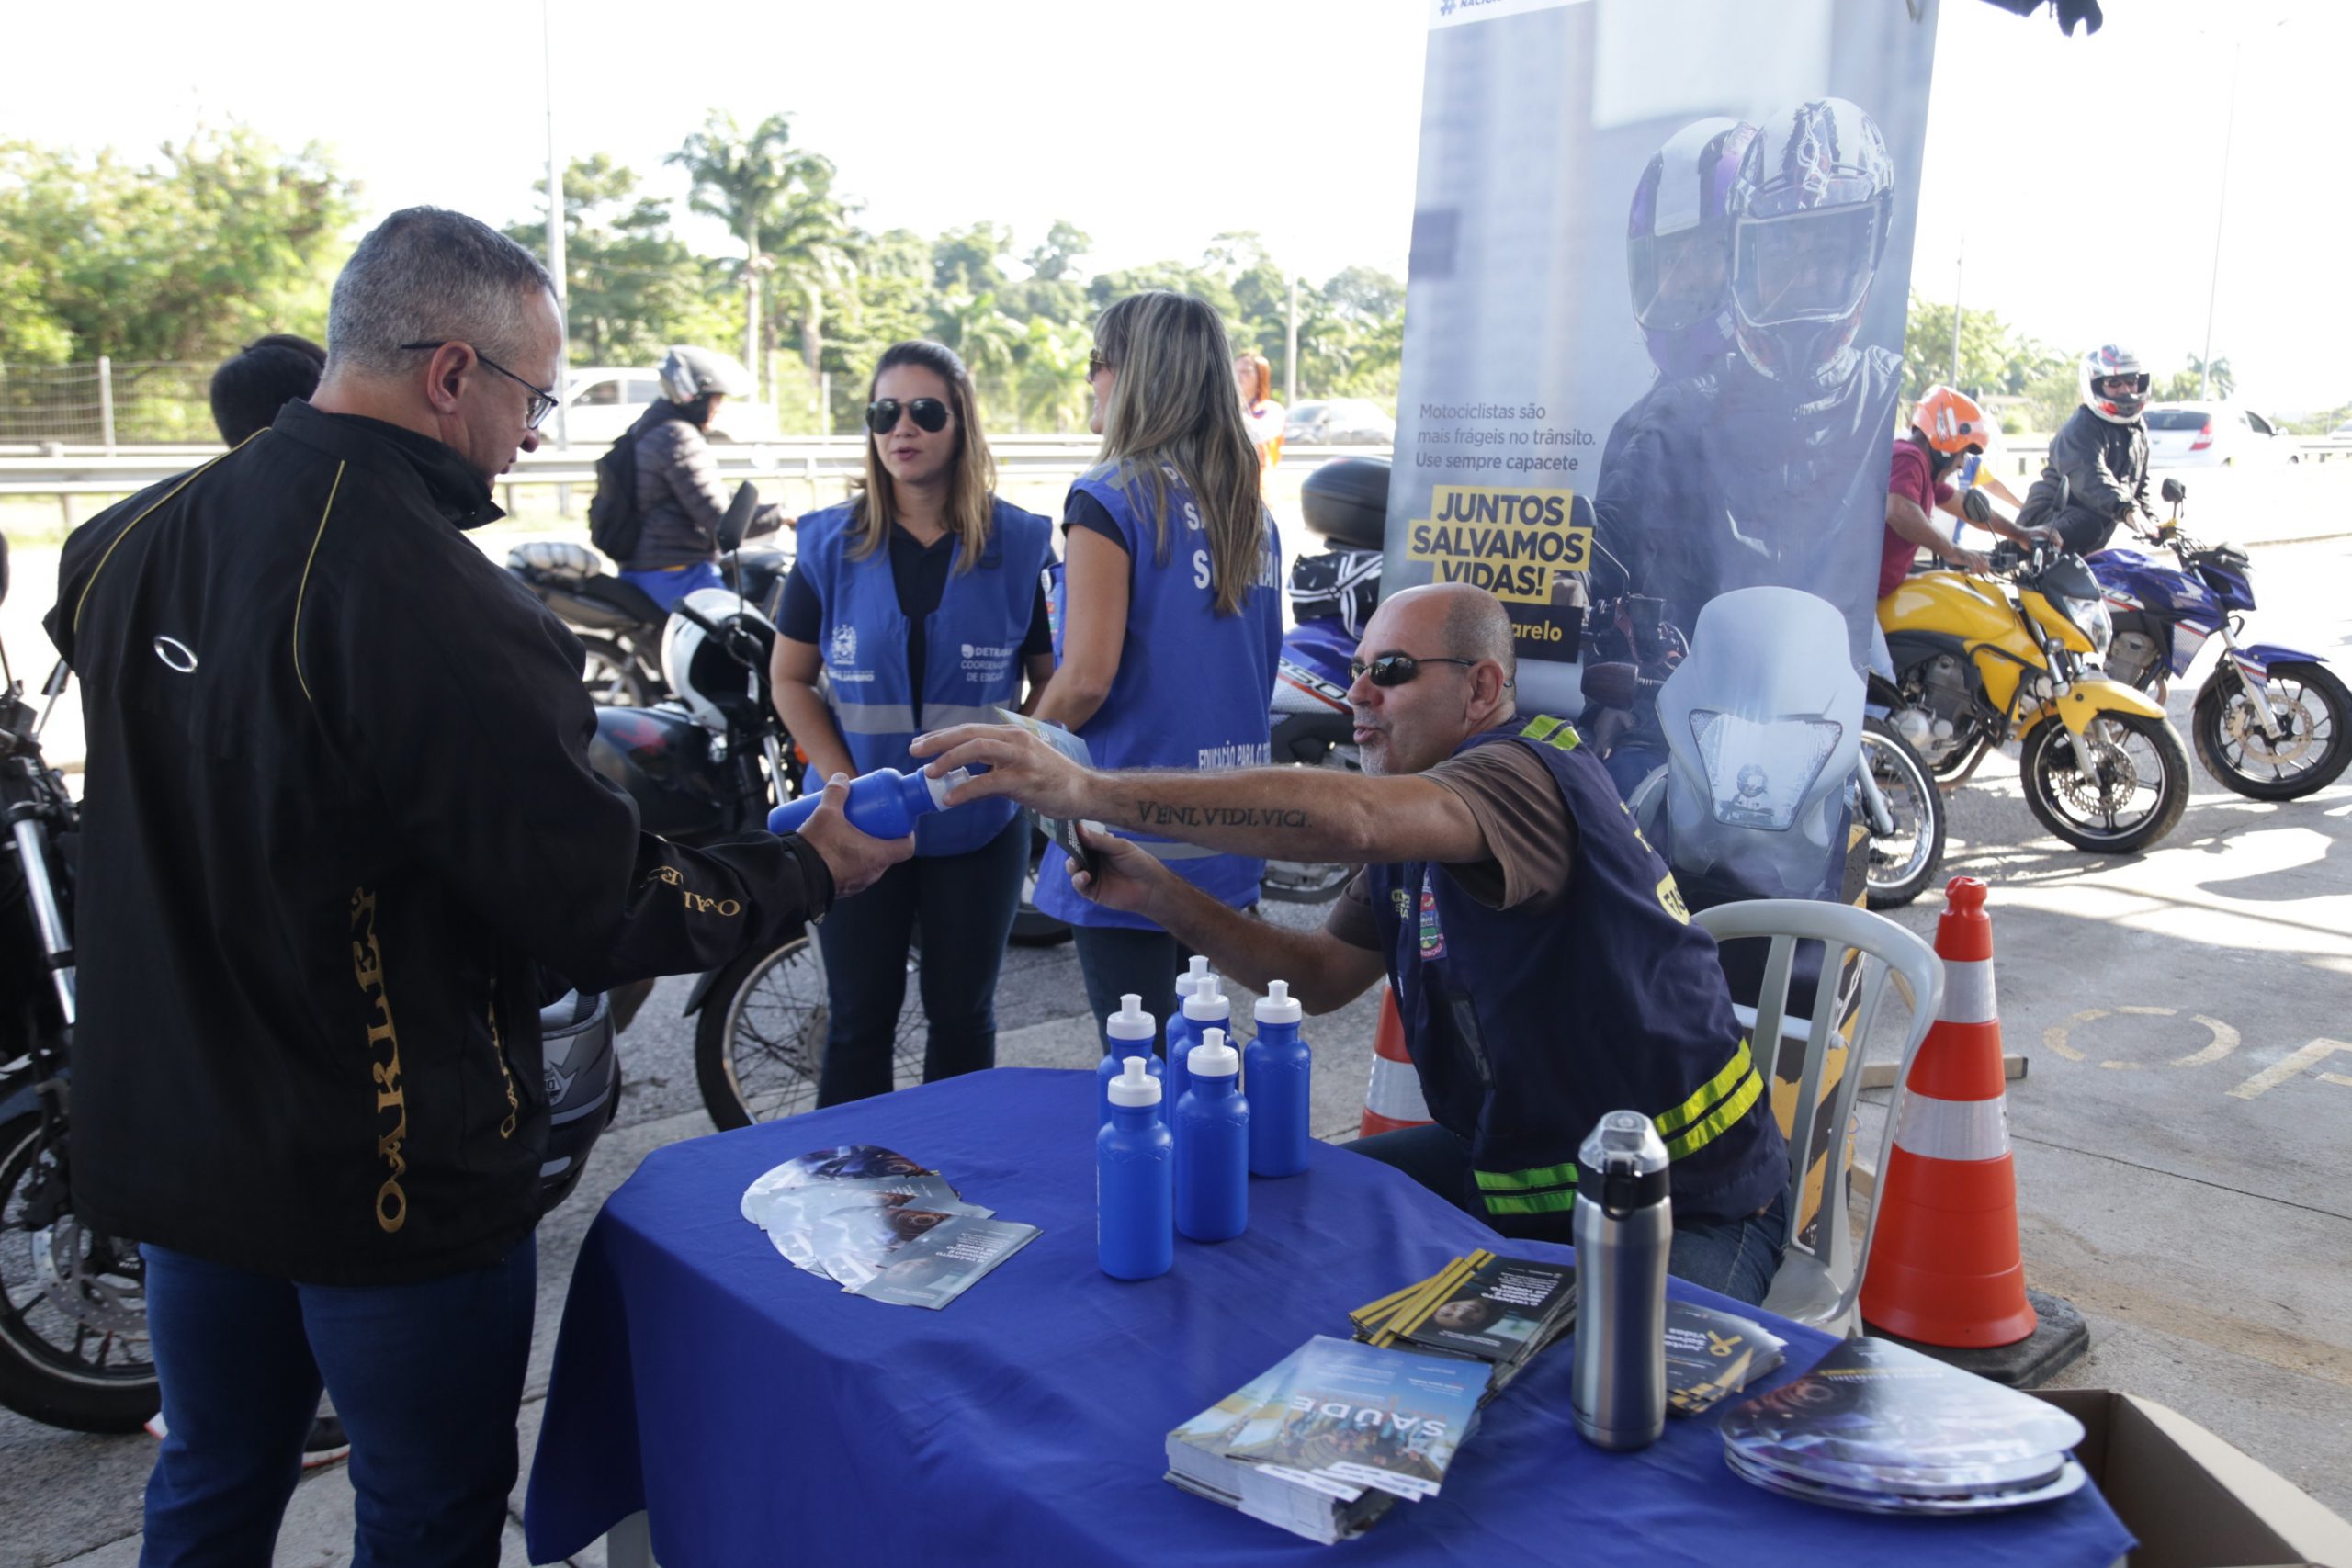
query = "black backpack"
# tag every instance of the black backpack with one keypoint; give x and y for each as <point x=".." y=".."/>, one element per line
<point x="615" y="523"/>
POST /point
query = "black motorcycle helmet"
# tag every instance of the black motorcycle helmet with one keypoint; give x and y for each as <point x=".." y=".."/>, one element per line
<point x="1347" y="502"/>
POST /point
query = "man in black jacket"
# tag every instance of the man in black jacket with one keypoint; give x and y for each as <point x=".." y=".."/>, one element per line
<point x="339" y="818"/>
<point x="2102" y="452"/>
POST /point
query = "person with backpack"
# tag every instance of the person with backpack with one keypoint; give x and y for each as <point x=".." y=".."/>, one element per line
<point x="667" y="539"/>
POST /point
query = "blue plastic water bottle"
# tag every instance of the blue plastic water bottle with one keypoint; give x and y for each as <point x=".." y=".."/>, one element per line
<point x="1182" y="1035"/>
<point x="1134" y="1189"/>
<point x="1208" y="1007"/>
<point x="1128" y="1032"/>
<point x="884" y="804"/>
<point x="1279" y="1077"/>
<point x="1212" y="1128"/>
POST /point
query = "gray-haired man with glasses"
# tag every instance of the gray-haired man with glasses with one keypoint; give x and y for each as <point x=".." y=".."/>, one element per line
<point x="333" y="846"/>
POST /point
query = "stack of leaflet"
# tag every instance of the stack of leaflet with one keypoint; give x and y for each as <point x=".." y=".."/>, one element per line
<point x="1886" y="1430"/>
<point x="880" y="1225"/>
<point x="1502" y="1311"/>
<point x="1326" y="1440"/>
<point x="1712" y="1355"/>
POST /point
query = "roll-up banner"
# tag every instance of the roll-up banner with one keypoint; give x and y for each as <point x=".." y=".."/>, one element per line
<point x="1653" y="357"/>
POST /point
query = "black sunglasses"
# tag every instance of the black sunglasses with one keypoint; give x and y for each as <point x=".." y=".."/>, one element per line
<point x="542" y="400"/>
<point x="1095" y="364"/>
<point x="882" y="414"/>
<point x="1396" y="668"/>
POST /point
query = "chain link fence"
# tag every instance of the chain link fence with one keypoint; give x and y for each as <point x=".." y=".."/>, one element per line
<point x="110" y="404"/>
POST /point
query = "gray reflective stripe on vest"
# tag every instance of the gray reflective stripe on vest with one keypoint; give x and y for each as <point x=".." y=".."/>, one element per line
<point x="898" y="718"/>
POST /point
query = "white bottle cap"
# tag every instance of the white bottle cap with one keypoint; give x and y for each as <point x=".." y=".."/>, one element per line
<point x="1207" y="1004"/>
<point x="1130" y="1022"/>
<point x="1278" y="1006"/>
<point x="1136" y="1086"/>
<point x="1194" y="976"/>
<point x="1213" y="1058"/>
<point x="941" y="785"/>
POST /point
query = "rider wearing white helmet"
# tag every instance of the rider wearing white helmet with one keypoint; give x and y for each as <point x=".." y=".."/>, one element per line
<point x="679" y="495"/>
<point x="2101" y="450"/>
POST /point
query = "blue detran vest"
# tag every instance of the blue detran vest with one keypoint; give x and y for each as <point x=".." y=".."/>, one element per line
<point x="1526" y="1029"/>
<point x="971" y="658"/>
<point x="1192" y="688"/>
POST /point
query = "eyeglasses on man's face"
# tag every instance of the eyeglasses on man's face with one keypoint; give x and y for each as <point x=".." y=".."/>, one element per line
<point x="542" y="400"/>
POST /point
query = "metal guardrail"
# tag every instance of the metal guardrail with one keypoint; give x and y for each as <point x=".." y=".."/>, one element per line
<point x="812" y="460"/>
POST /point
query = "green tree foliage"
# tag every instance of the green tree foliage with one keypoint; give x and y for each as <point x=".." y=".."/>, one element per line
<point x="631" y="286"/>
<point x="220" y="239"/>
<point x="744" y="181"/>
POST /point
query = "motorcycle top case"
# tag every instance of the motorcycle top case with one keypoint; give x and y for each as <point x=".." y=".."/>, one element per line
<point x="1345" y="501"/>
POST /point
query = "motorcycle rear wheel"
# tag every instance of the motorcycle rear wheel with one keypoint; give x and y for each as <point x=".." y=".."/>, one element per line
<point x="2087" y="808"/>
<point x="56" y="1365"/>
<point x="1901" y="866"/>
<point x="760" y="1042"/>
<point x="610" y="675"/>
<point x="2230" y="742"/>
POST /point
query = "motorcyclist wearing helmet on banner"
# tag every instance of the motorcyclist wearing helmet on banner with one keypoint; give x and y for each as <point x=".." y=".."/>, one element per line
<point x="1766" y="469"/>
<point x="1677" y="266"/>
<point x="679" y="495"/>
<point x="2102" y="452"/>
<point x="1946" y="427"/>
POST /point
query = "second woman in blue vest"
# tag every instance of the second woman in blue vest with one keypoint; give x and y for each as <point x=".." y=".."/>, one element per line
<point x="920" y="602"/>
<point x="1171" y="610"/>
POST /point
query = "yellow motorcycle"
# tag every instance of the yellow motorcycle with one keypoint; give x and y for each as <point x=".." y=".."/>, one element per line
<point x="1977" y="661"/>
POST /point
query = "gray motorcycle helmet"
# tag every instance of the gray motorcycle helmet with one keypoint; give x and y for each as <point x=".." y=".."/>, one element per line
<point x="688" y="372"/>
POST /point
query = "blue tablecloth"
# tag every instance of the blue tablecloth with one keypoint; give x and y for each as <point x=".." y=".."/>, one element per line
<point x="764" y="1417"/>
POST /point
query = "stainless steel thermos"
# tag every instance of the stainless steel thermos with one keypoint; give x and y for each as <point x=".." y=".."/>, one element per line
<point x="1624" y="1225"/>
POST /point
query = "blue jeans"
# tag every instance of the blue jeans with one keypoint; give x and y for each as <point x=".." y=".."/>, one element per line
<point x="964" y="905"/>
<point x="1737" y="1257"/>
<point x="669" y="584"/>
<point x="427" y="1377"/>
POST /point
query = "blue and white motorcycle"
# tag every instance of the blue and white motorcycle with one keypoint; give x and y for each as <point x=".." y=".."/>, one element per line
<point x="2271" y="723"/>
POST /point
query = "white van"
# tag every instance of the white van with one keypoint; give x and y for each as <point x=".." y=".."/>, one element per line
<point x="608" y="398"/>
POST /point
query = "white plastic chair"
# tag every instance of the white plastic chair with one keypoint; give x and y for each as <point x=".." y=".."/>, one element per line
<point x="1821" y="1286"/>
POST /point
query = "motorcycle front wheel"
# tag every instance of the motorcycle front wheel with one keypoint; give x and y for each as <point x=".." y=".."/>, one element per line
<point x="760" y="1042"/>
<point x="2127" y="792"/>
<point x="73" y="1308"/>
<point x="1904" y="862"/>
<point x="2314" y="712"/>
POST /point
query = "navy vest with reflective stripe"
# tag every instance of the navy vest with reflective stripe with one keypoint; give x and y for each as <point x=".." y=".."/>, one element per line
<point x="971" y="652"/>
<point x="1526" y="1029"/>
<point x="1193" y="689"/>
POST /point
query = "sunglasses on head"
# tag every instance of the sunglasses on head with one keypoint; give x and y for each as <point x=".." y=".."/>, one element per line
<point x="882" y="414"/>
<point x="1396" y="668"/>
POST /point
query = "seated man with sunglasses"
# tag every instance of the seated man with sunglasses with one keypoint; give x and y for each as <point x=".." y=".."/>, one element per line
<point x="1544" y="968"/>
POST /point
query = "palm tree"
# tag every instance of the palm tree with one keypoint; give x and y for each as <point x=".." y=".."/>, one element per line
<point x="815" y="250"/>
<point x="2217" y="375"/>
<point x="740" y="180"/>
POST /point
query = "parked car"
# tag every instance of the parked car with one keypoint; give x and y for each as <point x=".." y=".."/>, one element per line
<point x="606" y="399"/>
<point x="1340" y="422"/>
<point x="2207" y="436"/>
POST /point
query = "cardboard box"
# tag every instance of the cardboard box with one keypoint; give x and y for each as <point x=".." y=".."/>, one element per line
<point x="2193" y="1500"/>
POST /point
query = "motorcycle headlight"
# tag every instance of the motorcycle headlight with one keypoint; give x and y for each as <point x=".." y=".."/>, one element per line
<point x="1760" y="773"/>
<point x="2090" y="616"/>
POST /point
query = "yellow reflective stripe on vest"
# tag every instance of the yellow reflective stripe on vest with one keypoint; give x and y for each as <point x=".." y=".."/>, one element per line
<point x="1552" y="732"/>
<point x="1551" y="1203"/>
<point x="1564" y="1173"/>
<point x="1691" y="1125"/>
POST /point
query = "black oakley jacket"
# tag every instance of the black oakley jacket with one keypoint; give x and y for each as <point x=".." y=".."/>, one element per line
<point x="338" y="816"/>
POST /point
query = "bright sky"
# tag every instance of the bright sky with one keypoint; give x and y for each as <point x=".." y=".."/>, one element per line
<point x="2081" y="173"/>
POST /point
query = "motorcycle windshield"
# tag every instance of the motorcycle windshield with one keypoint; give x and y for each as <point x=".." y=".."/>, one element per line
<point x="1807" y="267"/>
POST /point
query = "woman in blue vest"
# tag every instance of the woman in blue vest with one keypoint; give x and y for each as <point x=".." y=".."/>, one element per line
<point x="919" y="602"/>
<point x="1171" y="610"/>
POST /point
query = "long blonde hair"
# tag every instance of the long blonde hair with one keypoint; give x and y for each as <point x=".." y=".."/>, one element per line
<point x="971" y="480"/>
<point x="1173" y="404"/>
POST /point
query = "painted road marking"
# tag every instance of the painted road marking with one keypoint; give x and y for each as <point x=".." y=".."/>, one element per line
<point x="2293" y="1066"/>
<point x="2224" y="1041"/>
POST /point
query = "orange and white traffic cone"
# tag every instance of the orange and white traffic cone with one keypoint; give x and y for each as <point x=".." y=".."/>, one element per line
<point x="1393" y="1099"/>
<point x="1945" y="1266"/>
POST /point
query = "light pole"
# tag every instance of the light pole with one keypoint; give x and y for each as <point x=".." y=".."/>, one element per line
<point x="1289" y="350"/>
<point x="1959" y="270"/>
<point x="2220" y="205"/>
<point x="555" y="246"/>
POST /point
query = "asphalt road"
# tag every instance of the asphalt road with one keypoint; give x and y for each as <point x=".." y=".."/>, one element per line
<point x="2183" y="1135"/>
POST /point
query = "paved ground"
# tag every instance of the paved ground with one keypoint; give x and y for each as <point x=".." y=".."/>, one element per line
<point x="2184" y="1137"/>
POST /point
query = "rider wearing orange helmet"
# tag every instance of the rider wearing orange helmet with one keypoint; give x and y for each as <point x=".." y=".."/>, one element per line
<point x="1946" y="427"/>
